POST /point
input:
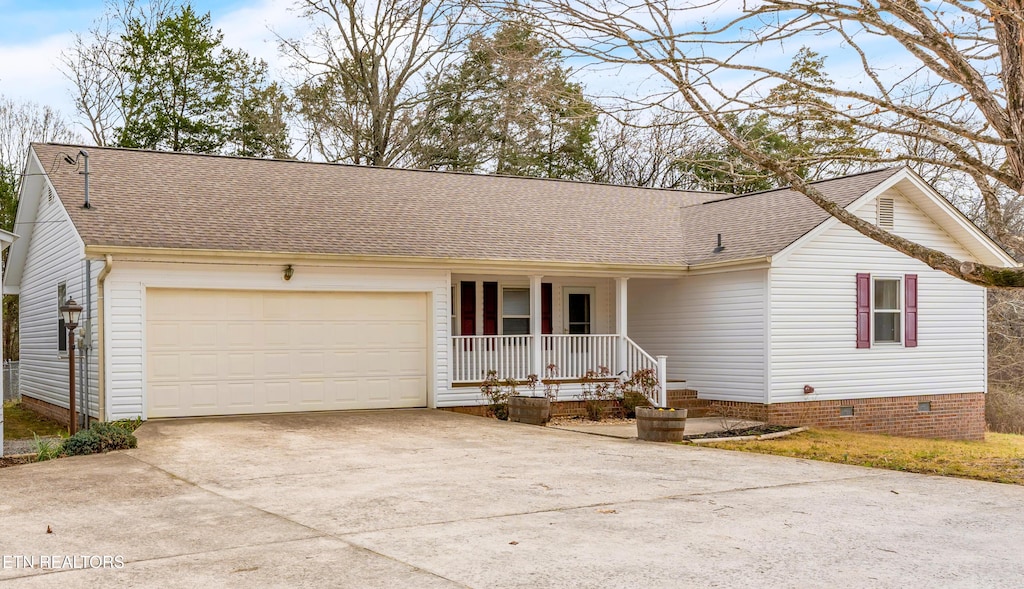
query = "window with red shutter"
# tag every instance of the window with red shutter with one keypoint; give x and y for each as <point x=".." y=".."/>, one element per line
<point x="490" y="308"/>
<point x="863" y="310"/>
<point x="910" y="302"/>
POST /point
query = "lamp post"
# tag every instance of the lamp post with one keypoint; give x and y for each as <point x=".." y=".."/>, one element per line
<point x="70" y="312"/>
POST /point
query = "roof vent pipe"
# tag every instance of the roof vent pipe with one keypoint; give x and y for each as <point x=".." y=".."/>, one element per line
<point x="719" y="248"/>
<point x="82" y="155"/>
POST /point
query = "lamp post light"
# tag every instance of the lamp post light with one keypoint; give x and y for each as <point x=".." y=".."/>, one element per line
<point x="71" y="312"/>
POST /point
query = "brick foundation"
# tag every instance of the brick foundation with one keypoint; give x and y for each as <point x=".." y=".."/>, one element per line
<point x="558" y="409"/>
<point x="958" y="416"/>
<point x="49" y="410"/>
<point x="687" y="399"/>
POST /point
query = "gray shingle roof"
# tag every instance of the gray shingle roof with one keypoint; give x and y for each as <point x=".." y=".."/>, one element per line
<point x="188" y="201"/>
<point x="764" y="223"/>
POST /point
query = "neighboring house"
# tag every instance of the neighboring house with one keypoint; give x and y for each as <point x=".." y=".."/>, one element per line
<point x="220" y="285"/>
<point x="6" y="238"/>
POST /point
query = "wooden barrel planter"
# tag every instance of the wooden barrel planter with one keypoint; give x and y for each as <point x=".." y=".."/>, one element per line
<point x="532" y="410"/>
<point x="660" y="425"/>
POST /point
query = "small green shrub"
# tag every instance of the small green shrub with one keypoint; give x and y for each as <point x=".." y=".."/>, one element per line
<point x="83" y="442"/>
<point x="45" y="449"/>
<point x="114" y="436"/>
<point x="100" y="437"/>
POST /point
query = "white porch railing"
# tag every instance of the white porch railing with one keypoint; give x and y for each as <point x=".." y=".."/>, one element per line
<point x="637" y="359"/>
<point x="511" y="356"/>
<point x="473" y="356"/>
<point x="575" y="355"/>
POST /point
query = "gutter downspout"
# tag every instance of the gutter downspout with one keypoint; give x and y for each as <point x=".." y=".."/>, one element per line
<point x="101" y="393"/>
<point x="87" y="340"/>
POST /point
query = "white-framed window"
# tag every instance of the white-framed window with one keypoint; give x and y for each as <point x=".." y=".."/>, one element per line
<point x="62" y="331"/>
<point x="515" y="311"/>
<point x="887" y="310"/>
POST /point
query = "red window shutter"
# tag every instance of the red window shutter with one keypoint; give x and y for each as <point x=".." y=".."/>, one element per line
<point x="490" y="308"/>
<point x="467" y="314"/>
<point x="910" y="300"/>
<point x="863" y="310"/>
<point x="546" y="324"/>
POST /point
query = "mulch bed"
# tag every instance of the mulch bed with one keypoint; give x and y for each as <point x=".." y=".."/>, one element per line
<point x="6" y="461"/>
<point x="759" y="430"/>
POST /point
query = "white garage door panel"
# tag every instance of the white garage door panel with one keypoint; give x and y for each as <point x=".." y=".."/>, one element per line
<point x="230" y="352"/>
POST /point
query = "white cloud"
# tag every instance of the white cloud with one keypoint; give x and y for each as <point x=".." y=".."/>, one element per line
<point x="253" y="29"/>
<point x="29" y="72"/>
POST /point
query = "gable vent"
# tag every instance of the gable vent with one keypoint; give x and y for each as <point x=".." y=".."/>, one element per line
<point x="886" y="213"/>
<point x="49" y="194"/>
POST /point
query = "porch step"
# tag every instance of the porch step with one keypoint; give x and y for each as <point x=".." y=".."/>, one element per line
<point x="687" y="399"/>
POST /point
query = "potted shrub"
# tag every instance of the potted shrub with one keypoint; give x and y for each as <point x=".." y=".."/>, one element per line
<point x="534" y="409"/>
<point x="653" y="424"/>
<point x="660" y="424"/>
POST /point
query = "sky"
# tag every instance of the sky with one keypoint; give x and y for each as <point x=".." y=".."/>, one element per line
<point x="34" y="32"/>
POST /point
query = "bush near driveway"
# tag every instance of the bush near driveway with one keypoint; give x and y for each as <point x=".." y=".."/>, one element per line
<point x="100" y="437"/>
<point x="1000" y="458"/>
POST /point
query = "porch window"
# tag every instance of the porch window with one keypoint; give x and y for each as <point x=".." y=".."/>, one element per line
<point x="887" y="310"/>
<point x="578" y="312"/>
<point x="515" y="311"/>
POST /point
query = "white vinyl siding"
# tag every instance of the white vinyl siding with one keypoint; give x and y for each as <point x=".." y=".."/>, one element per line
<point x="55" y="255"/>
<point x="813" y="323"/>
<point x="127" y="283"/>
<point x="711" y="327"/>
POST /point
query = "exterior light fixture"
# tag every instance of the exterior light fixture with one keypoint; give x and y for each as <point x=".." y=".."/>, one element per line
<point x="71" y="312"/>
<point x="289" y="272"/>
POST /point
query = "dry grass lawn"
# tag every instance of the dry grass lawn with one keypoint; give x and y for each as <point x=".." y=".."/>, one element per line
<point x="1000" y="458"/>
<point x="21" y="424"/>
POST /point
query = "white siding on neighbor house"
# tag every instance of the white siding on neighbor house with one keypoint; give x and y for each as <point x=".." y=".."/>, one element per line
<point x="55" y="254"/>
<point x="711" y="327"/>
<point x="813" y="323"/>
<point x="125" y="289"/>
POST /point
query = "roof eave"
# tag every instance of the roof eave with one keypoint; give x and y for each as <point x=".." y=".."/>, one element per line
<point x="161" y="254"/>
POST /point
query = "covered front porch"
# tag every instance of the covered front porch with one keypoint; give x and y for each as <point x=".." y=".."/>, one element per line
<point x="559" y="328"/>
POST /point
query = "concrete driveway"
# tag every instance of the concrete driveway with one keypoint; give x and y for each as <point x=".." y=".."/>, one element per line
<point x="434" y="499"/>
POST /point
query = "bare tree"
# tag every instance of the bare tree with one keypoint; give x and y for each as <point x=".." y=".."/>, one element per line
<point x="365" y="68"/>
<point x="93" y="65"/>
<point x="959" y="90"/>
<point x="20" y="124"/>
<point x="645" y="149"/>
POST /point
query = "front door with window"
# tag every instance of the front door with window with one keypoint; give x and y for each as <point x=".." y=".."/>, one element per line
<point x="577" y="316"/>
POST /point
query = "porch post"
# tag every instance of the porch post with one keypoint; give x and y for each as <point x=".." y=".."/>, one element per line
<point x="536" y="357"/>
<point x="621" y="314"/>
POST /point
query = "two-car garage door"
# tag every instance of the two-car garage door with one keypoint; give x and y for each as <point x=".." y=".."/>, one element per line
<point x="225" y="352"/>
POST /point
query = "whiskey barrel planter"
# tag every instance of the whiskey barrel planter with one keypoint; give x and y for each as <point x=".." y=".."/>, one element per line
<point x="531" y="410"/>
<point x="660" y="425"/>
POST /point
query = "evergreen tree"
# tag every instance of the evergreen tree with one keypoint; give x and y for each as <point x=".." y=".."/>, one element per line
<point x="510" y="108"/>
